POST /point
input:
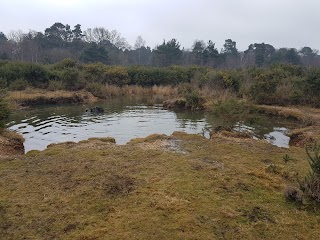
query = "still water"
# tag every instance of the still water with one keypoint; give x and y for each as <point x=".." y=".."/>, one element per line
<point x="125" y="119"/>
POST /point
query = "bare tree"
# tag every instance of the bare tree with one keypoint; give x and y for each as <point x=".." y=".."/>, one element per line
<point x="118" y="41"/>
<point x="100" y="35"/>
<point x="16" y="38"/>
<point x="140" y="43"/>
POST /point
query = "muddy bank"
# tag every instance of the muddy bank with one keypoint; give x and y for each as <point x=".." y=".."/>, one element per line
<point x="11" y="144"/>
<point x="179" y="103"/>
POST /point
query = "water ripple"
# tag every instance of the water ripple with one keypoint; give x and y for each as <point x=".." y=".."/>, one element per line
<point x="71" y="123"/>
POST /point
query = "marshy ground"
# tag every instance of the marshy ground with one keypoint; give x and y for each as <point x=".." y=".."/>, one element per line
<point x="162" y="187"/>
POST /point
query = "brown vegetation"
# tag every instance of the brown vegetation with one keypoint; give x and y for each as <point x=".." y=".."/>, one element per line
<point x="37" y="96"/>
<point x="301" y="138"/>
<point x="305" y="115"/>
<point x="229" y="133"/>
<point x="175" y="103"/>
<point x="200" y="188"/>
<point x="11" y="144"/>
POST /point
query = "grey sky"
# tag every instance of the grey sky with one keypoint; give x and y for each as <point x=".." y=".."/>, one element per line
<point x="282" y="23"/>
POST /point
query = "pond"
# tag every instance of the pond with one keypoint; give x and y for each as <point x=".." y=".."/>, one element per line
<point x="129" y="118"/>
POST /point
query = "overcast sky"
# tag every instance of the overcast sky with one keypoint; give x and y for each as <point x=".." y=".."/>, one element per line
<point x="281" y="23"/>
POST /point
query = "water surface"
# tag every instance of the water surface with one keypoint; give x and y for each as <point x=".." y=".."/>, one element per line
<point x="125" y="119"/>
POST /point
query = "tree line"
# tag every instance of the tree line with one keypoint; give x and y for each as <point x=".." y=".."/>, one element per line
<point x="61" y="41"/>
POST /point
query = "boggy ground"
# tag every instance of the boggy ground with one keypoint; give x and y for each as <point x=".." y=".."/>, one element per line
<point x="161" y="187"/>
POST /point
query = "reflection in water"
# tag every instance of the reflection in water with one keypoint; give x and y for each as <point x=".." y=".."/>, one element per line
<point x="125" y="119"/>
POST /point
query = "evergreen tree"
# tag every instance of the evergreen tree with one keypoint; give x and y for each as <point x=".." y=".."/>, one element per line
<point x="94" y="53"/>
<point x="168" y="53"/>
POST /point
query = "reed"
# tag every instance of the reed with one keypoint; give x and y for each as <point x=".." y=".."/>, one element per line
<point x="39" y="96"/>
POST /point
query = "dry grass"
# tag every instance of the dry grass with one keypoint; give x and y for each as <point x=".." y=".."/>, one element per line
<point x="38" y="96"/>
<point x="106" y="91"/>
<point x="305" y="115"/>
<point x="112" y="90"/>
<point x="165" y="90"/>
<point x="284" y="91"/>
<point x="12" y="135"/>
<point x="214" y="189"/>
<point x="11" y="143"/>
<point x="135" y="90"/>
<point x="34" y="93"/>
<point x="217" y="95"/>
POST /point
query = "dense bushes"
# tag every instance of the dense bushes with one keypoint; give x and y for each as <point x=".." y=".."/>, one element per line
<point x="36" y="74"/>
<point x="116" y="75"/>
<point x="71" y="80"/>
<point x="285" y="84"/>
<point x="4" y="112"/>
<point x="194" y="100"/>
<point x="94" y="72"/>
<point x="311" y="184"/>
<point x="231" y="111"/>
<point x="18" y="85"/>
<point x="278" y="84"/>
<point x="149" y="76"/>
<point x="313" y="81"/>
<point x="309" y="188"/>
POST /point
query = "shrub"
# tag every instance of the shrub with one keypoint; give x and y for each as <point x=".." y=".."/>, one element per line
<point x="313" y="81"/>
<point x="94" y="72"/>
<point x="65" y="63"/>
<point x="231" y="80"/>
<point x="116" y="75"/>
<point x="279" y="84"/>
<point x="215" y="80"/>
<point x="4" y="112"/>
<point x="289" y="69"/>
<point x="55" y="85"/>
<point x="11" y="71"/>
<point x="97" y="89"/>
<point x="70" y="78"/>
<point x="310" y="186"/>
<point x="184" y="89"/>
<point x="232" y="111"/>
<point x="18" y="85"/>
<point x="3" y="83"/>
<point x="314" y="161"/>
<point x="194" y="100"/>
<point x="293" y="194"/>
<point x="150" y="76"/>
<point x="200" y="78"/>
<point x="286" y="158"/>
<point x="231" y="107"/>
<point x="262" y="91"/>
<point x="35" y="74"/>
